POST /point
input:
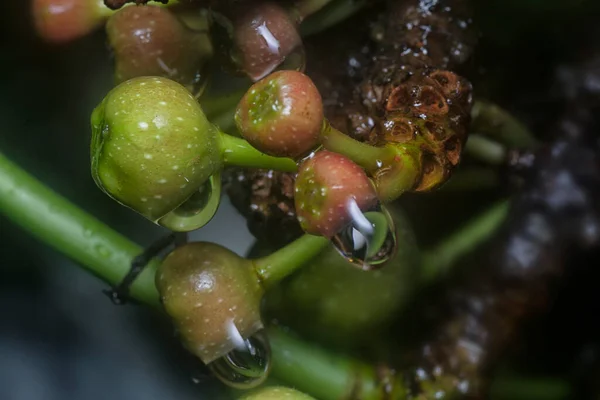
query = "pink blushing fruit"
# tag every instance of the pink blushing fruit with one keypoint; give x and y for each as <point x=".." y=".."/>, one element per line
<point x="61" y="21"/>
<point x="264" y="36"/>
<point x="282" y="115"/>
<point x="324" y="187"/>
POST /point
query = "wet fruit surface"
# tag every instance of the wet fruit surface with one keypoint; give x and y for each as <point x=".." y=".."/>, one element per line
<point x="152" y="145"/>
<point x="213" y="297"/>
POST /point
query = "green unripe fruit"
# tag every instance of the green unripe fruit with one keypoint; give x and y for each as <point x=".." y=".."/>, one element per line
<point x="329" y="299"/>
<point x="276" y="393"/>
<point x="213" y="297"/>
<point x="152" y="146"/>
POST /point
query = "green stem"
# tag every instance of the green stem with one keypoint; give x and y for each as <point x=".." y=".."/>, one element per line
<point x="276" y="266"/>
<point x="330" y="15"/>
<point x="486" y="150"/>
<point x="472" y="179"/>
<point x="367" y="156"/>
<point x="107" y="254"/>
<point x="328" y="376"/>
<point x="437" y="260"/>
<point x="226" y="122"/>
<point x="491" y="120"/>
<point x="394" y="168"/>
<point x="305" y="8"/>
<point x="55" y="221"/>
<point x="215" y="105"/>
<point x="529" y="388"/>
<point x="239" y="152"/>
<point x="324" y="375"/>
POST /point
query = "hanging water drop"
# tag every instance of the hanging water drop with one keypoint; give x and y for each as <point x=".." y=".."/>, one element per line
<point x="369" y="240"/>
<point x="246" y="366"/>
<point x="197" y="210"/>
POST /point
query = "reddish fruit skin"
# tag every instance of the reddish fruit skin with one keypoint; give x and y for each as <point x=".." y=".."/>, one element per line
<point x="264" y="36"/>
<point x="60" y="21"/>
<point x="282" y="115"/>
<point x="208" y="290"/>
<point x="150" y="41"/>
<point x="324" y="185"/>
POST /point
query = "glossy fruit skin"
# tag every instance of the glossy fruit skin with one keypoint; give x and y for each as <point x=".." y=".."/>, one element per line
<point x="152" y="146"/>
<point x="282" y="114"/>
<point x="324" y="185"/>
<point x="212" y="295"/>
<point x="260" y="36"/>
<point x="330" y="300"/>
<point x="276" y="393"/>
<point x="152" y="41"/>
<point x="60" y="21"/>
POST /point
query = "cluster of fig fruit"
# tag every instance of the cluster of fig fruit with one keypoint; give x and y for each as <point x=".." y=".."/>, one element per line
<point x="155" y="151"/>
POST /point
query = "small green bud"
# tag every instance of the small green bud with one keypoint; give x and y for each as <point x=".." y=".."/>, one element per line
<point x="213" y="297"/>
<point x="276" y="393"/>
<point x="152" y="146"/>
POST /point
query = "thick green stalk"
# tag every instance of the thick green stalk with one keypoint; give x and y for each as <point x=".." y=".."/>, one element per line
<point x="437" y="259"/>
<point x="529" y="388"/>
<point x="472" y="178"/>
<point x="325" y="375"/>
<point x="273" y="268"/>
<point x="493" y="121"/>
<point x="330" y="15"/>
<point x="239" y="152"/>
<point x="305" y="8"/>
<point x="367" y="156"/>
<point x="107" y="254"/>
<point x="59" y="223"/>
<point x="486" y="150"/>
<point x="217" y="104"/>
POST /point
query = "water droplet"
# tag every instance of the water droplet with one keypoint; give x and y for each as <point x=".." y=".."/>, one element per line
<point x="102" y="250"/>
<point x="199" y="81"/>
<point x="197" y="202"/>
<point x="197" y="210"/>
<point x="369" y="241"/>
<point x="247" y="366"/>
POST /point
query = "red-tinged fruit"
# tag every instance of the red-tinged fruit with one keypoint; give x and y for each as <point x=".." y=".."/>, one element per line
<point x="264" y="36"/>
<point x="60" y="21"/>
<point x="282" y="115"/>
<point x="152" y="41"/>
<point x="324" y="187"/>
<point x="213" y="297"/>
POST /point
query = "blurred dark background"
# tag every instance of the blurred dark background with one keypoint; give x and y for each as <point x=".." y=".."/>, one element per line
<point x="60" y="338"/>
